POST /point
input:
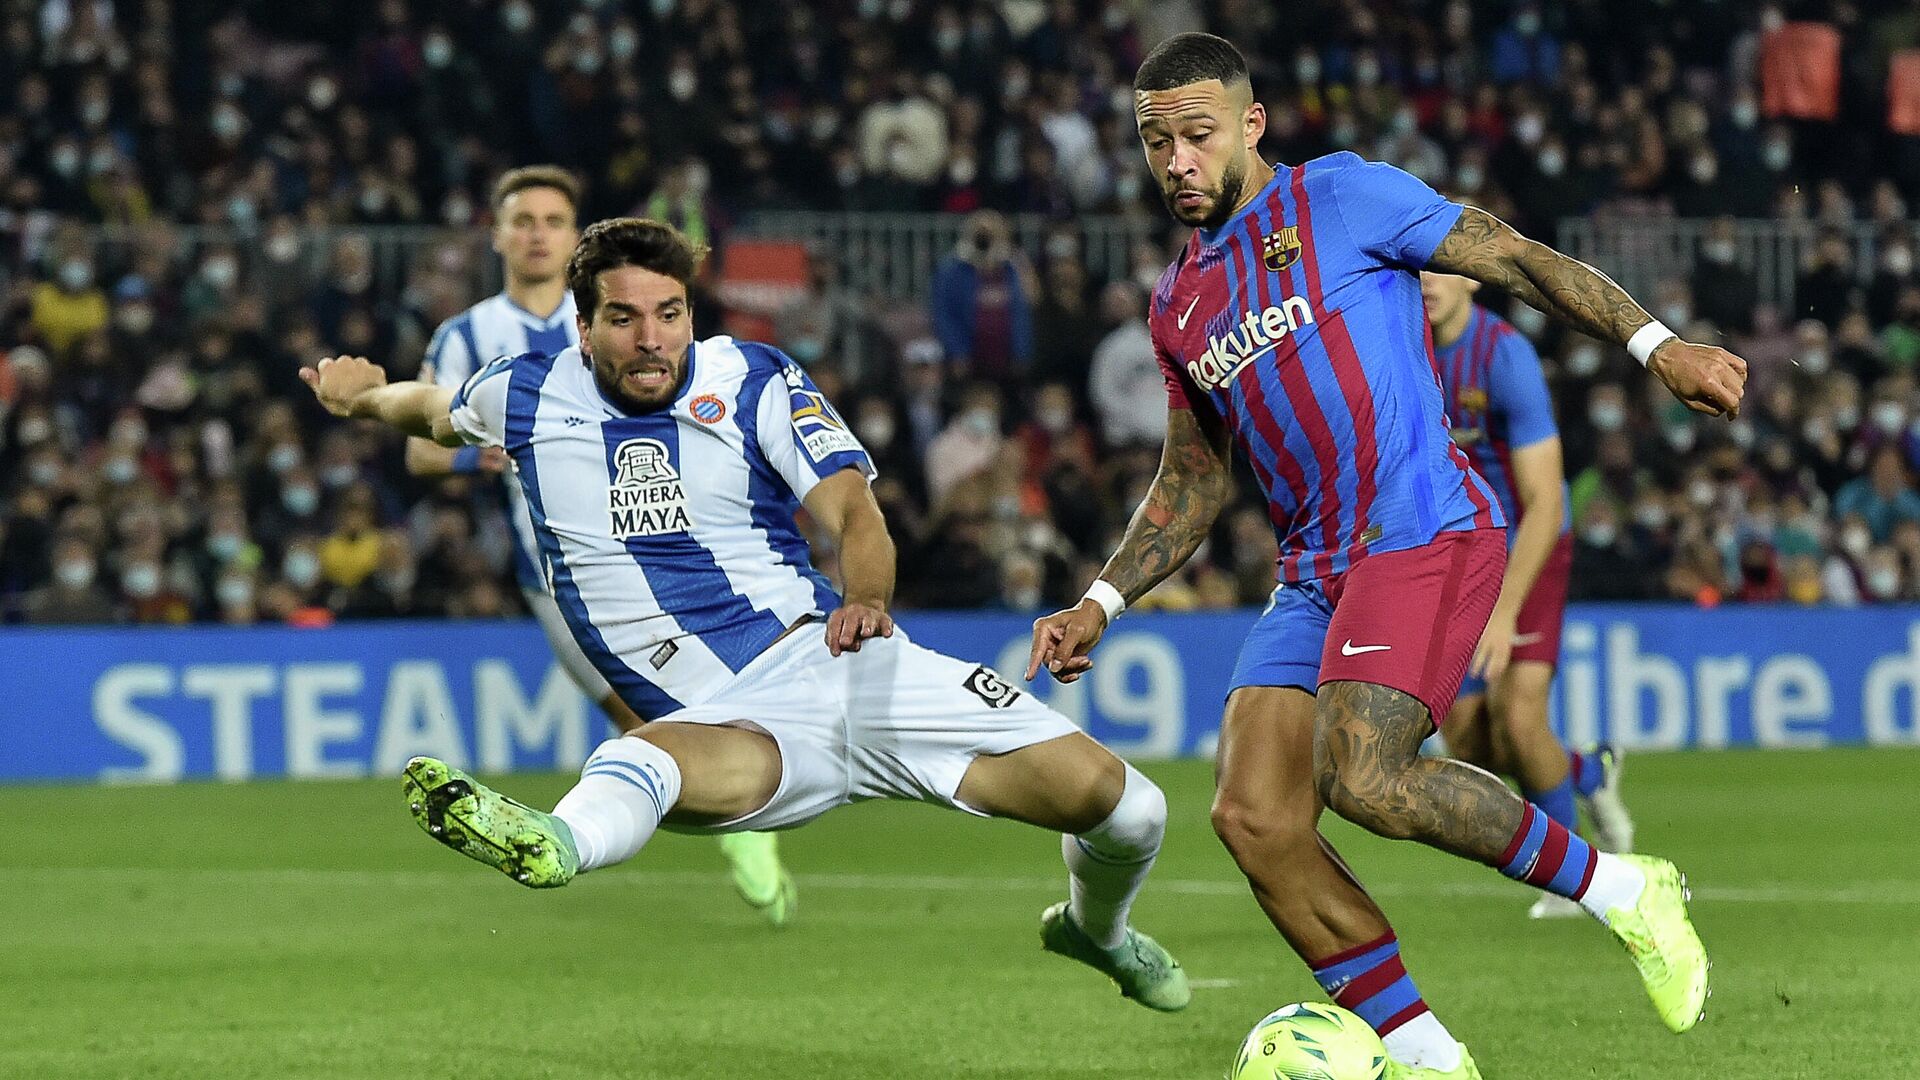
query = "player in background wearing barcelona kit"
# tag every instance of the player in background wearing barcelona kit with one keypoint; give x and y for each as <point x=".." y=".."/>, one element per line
<point x="1292" y="325"/>
<point x="1496" y="396"/>
<point x="535" y="227"/>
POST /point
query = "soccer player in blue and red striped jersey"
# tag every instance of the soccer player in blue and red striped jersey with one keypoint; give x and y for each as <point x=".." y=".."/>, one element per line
<point x="1496" y="396"/>
<point x="1292" y="326"/>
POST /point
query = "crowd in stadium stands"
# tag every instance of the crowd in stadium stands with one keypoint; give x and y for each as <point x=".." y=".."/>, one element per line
<point x="160" y="462"/>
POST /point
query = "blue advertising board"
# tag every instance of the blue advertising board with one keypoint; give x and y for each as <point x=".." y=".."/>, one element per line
<point x="356" y="700"/>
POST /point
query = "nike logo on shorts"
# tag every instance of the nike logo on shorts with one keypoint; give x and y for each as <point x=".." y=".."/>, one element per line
<point x="1181" y="322"/>
<point x="1350" y="649"/>
<point x="1528" y="639"/>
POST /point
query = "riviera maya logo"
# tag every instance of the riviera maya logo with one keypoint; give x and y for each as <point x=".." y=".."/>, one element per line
<point x="646" y="497"/>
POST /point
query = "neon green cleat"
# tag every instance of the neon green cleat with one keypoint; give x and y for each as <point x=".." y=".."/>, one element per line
<point x="530" y="846"/>
<point x="753" y="860"/>
<point x="1655" y="929"/>
<point x="1143" y="970"/>
<point x="1466" y="1070"/>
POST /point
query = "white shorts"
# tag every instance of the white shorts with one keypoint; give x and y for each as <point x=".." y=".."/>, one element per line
<point x="892" y="721"/>
<point x="565" y="649"/>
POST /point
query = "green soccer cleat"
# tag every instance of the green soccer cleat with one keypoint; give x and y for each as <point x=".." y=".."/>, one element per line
<point x="530" y="846"/>
<point x="1657" y="934"/>
<point x="1144" y="971"/>
<point x="1466" y="1070"/>
<point x="753" y="861"/>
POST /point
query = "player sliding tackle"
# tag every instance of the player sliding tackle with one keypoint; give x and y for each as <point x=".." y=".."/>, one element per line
<point x="1292" y="324"/>
<point x="662" y="476"/>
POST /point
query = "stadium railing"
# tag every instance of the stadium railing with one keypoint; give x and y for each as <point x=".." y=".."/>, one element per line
<point x="1640" y="252"/>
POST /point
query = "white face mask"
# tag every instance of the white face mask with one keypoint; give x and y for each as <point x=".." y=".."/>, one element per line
<point x="1719" y="252"/>
<point x="220" y="272"/>
<point x="437" y="51"/>
<point x="1607" y="416"/>
<point x="234" y="592"/>
<point x="75" y="275"/>
<point x="1600" y="534"/>
<point x="1855" y="542"/>
<point x="980" y="423"/>
<point x="1889" y="416"/>
<point x="1701" y="493"/>
<point x="877" y="431"/>
<point x="1650" y="516"/>
<point x="301" y="568"/>
<point x="682" y="83"/>
<point x="74" y="575"/>
<point x="142" y="581"/>
<point x="1777" y="156"/>
<point x="1681" y="437"/>
<point x="1745" y="114"/>
<point x="1530" y="129"/>
<point x="1583" y="361"/>
<point x="1884" y="582"/>
<point x="1898" y="261"/>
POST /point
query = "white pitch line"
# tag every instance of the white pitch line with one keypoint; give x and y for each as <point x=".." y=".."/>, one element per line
<point x="1896" y="893"/>
<point x="1214" y="984"/>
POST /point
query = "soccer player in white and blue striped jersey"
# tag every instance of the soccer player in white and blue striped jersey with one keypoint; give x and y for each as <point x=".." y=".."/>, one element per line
<point x="662" y="477"/>
<point x="535" y="227"/>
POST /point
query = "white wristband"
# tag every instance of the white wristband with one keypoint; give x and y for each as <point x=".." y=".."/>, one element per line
<point x="1103" y="593"/>
<point x="1648" y="338"/>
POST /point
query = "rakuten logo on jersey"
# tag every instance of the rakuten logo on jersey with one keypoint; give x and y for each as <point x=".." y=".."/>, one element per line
<point x="1259" y="333"/>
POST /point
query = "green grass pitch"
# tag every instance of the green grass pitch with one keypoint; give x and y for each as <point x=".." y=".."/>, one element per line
<point x="309" y="930"/>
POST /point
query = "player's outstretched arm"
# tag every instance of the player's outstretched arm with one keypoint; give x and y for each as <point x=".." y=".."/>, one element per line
<point x="353" y="386"/>
<point x="843" y="504"/>
<point x="428" y="458"/>
<point x="1193" y="485"/>
<point x="1480" y="246"/>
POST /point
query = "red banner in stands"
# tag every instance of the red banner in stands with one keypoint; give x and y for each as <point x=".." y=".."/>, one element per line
<point x="1800" y="72"/>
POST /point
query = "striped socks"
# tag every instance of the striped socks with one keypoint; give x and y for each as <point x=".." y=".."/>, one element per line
<point x="1547" y="855"/>
<point x="627" y="785"/>
<point x="1370" y="981"/>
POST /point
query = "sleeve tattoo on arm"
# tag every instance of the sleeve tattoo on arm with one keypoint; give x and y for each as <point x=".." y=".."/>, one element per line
<point x="1488" y="250"/>
<point x="1193" y="483"/>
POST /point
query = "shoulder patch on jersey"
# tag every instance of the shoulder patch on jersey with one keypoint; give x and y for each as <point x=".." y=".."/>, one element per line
<point x="708" y="409"/>
<point x="819" y="427"/>
<point x="646" y="497"/>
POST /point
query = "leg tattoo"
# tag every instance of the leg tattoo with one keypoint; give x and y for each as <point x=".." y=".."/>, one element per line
<point x="1368" y="769"/>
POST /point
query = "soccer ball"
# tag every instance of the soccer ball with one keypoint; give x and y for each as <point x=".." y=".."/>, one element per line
<point x="1311" y="1041"/>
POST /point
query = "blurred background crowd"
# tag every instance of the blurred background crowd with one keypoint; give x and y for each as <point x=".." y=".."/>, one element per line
<point x="194" y="195"/>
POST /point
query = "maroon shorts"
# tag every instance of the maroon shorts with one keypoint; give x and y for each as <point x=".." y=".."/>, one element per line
<point x="1411" y="619"/>
<point x="1536" y="634"/>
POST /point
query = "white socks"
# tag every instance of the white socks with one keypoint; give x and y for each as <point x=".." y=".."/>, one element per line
<point x="1616" y="882"/>
<point x="1424" y="1043"/>
<point x="627" y="785"/>
<point x="1109" y="862"/>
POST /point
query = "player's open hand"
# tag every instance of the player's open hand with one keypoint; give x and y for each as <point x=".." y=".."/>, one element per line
<point x="337" y="380"/>
<point x="852" y="623"/>
<point x="1495" y="651"/>
<point x="1707" y="378"/>
<point x="1062" y="640"/>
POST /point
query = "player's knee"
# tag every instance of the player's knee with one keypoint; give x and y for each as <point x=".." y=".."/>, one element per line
<point x="1136" y="824"/>
<point x="1257" y="832"/>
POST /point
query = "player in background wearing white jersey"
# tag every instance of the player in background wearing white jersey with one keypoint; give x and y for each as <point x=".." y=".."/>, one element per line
<point x="663" y="476"/>
<point x="535" y="226"/>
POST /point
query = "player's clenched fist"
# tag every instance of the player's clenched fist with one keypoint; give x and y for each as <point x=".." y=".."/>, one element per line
<point x="1062" y="640"/>
<point x="1707" y="378"/>
<point x="337" y="380"/>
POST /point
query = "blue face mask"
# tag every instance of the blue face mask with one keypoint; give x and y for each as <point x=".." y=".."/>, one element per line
<point x="807" y="350"/>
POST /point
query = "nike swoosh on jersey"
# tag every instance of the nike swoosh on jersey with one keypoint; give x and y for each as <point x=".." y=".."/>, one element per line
<point x="1181" y="322"/>
<point x="1528" y="639"/>
<point x="1350" y="649"/>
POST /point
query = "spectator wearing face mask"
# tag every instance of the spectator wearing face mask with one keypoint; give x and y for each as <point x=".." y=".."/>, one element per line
<point x="1724" y="292"/>
<point x="1828" y="289"/>
<point x="1053" y="433"/>
<point x="967" y="445"/>
<point x="74" y="596"/>
<point x="69" y="308"/>
<point x="150" y="597"/>
<point x="1892" y="275"/>
<point x="1881" y="575"/>
<point x="980" y="302"/>
<point x="1125" y="382"/>
<point x="1883" y="498"/>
